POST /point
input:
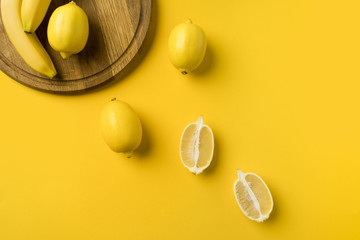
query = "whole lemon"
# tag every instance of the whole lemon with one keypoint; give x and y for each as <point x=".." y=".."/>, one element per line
<point x="120" y="127"/>
<point x="68" y="29"/>
<point x="186" y="46"/>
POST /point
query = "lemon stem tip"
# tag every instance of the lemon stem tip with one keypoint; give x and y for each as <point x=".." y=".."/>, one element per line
<point x="184" y="72"/>
<point x="128" y="155"/>
<point x="114" y="99"/>
<point x="240" y="173"/>
<point x="200" y="120"/>
<point x="65" y="55"/>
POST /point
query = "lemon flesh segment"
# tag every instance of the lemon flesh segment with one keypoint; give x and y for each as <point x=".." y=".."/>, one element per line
<point x="206" y="147"/>
<point x="187" y="149"/>
<point x="253" y="196"/>
<point x="197" y="146"/>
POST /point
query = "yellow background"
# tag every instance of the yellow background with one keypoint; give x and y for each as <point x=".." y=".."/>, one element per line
<point x="279" y="86"/>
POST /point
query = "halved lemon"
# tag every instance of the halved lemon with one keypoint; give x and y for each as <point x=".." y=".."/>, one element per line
<point x="253" y="196"/>
<point x="197" y="146"/>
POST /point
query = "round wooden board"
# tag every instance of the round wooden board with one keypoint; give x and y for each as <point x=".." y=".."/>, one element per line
<point x="117" y="30"/>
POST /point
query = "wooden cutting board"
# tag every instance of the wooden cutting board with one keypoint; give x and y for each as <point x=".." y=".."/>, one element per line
<point x="117" y="30"/>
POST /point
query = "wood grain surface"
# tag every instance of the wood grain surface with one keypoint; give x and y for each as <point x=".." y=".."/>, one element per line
<point x="117" y="30"/>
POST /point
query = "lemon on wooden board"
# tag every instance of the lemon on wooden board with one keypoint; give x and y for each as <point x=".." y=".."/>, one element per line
<point x="253" y="196"/>
<point x="120" y="127"/>
<point x="68" y="29"/>
<point x="186" y="46"/>
<point x="197" y="146"/>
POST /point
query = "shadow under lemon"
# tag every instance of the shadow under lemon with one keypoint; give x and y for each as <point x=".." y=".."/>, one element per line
<point x="206" y="65"/>
<point x="145" y="145"/>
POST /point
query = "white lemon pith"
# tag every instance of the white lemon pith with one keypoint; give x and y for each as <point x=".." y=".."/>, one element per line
<point x="186" y="46"/>
<point x="120" y="127"/>
<point x="197" y="146"/>
<point x="253" y="196"/>
<point x="68" y="29"/>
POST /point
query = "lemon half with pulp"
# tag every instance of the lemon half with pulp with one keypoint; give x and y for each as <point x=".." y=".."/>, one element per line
<point x="197" y="146"/>
<point x="253" y="196"/>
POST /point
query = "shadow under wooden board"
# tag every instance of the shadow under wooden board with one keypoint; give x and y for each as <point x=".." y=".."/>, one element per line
<point x="117" y="31"/>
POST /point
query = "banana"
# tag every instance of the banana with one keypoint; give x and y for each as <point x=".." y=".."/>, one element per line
<point x="32" y="13"/>
<point x="27" y="45"/>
